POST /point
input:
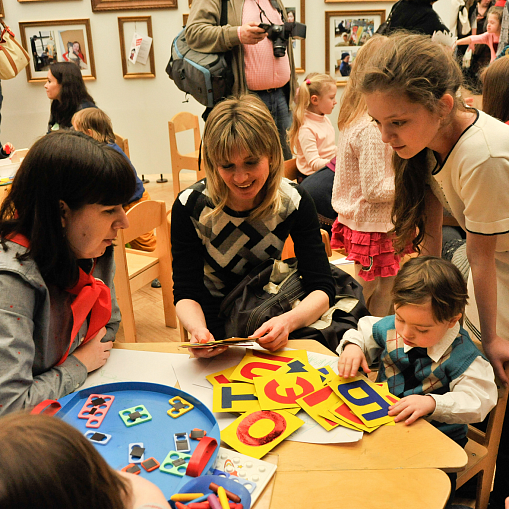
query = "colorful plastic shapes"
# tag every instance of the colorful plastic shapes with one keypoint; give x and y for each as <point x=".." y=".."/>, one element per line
<point x="201" y="456"/>
<point x="98" y="438"/>
<point x="135" y="415"/>
<point x="179" y="407"/>
<point x="175" y="463"/>
<point x="95" y="409"/>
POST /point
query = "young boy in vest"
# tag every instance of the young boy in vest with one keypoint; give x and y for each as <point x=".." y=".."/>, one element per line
<point x="426" y="357"/>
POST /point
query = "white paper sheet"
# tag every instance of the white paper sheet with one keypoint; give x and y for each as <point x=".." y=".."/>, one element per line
<point x="137" y="366"/>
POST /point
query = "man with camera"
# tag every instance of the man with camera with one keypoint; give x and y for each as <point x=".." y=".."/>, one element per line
<point x="262" y="57"/>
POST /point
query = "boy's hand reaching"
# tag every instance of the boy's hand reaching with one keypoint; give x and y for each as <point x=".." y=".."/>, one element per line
<point x="412" y="407"/>
<point x="350" y="360"/>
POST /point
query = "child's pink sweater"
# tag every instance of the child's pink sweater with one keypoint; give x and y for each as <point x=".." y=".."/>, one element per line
<point x="489" y="39"/>
<point x="363" y="191"/>
<point x="317" y="143"/>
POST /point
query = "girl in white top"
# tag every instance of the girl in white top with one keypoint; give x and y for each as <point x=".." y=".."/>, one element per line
<point x="363" y="195"/>
<point x="312" y="136"/>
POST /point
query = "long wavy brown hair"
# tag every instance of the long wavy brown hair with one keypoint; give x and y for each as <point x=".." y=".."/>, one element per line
<point x="422" y="71"/>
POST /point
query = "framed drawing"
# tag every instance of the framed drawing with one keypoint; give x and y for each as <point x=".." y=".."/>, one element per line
<point x="67" y="40"/>
<point x="296" y="11"/>
<point x="345" y="33"/>
<point x="143" y="66"/>
<point x="128" y="5"/>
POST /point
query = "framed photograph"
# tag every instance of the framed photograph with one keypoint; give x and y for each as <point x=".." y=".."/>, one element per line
<point x="136" y="50"/>
<point x="129" y="5"/>
<point x="68" y="40"/>
<point x="345" y="33"/>
<point x="296" y="11"/>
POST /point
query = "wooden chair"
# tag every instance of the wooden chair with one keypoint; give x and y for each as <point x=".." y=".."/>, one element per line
<point x="18" y="155"/>
<point x="123" y="144"/>
<point x="291" y="171"/>
<point x="181" y="122"/>
<point x="289" y="252"/>
<point x="482" y="450"/>
<point x="136" y="269"/>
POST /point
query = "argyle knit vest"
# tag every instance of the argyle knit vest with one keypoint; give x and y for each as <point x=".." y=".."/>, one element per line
<point x="415" y="372"/>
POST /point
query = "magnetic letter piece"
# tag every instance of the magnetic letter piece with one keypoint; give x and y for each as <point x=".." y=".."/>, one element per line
<point x="364" y="399"/>
<point x="236" y="397"/>
<point x="95" y="409"/>
<point x="256" y="433"/>
<point x="135" y="415"/>
<point x="175" y="463"/>
<point x="179" y="407"/>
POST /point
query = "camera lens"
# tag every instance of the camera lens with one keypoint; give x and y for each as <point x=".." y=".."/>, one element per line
<point x="279" y="49"/>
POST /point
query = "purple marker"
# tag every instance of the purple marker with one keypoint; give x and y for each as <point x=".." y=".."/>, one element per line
<point x="214" y="502"/>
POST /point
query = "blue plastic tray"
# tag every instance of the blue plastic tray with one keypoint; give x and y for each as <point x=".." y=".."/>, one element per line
<point x="156" y="435"/>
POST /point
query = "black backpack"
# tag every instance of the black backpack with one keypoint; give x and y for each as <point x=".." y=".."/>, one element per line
<point x="248" y="306"/>
<point x="208" y="77"/>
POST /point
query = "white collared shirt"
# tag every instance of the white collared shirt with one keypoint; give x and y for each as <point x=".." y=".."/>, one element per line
<point x="472" y="395"/>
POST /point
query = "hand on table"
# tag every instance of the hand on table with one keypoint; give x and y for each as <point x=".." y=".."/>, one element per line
<point x="273" y="334"/>
<point x="497" y="351"/>
<point x="203" y="335"/>
<point x="251" y="33"/>
<point x="350" y="360"/>
<point x="94" y="354"/>
<point x="412" y="407"/>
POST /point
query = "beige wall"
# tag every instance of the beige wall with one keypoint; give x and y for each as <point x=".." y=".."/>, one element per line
<point x="139" y="108"/>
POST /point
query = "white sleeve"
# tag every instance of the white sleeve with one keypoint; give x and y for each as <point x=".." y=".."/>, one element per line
<point x="362" y="337"/>
<point x="471" y="397"/>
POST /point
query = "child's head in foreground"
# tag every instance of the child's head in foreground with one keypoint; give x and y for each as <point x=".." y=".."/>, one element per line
<point x="46" y="463"/>
<point x="429" y="298"/>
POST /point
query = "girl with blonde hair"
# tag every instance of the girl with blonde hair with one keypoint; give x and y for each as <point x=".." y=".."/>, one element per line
<point x="238" y="217"/>
<point x="312" y="136"/>
<point x="363" y="194"/>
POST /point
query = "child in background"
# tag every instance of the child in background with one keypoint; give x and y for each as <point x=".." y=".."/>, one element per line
<point x="495" y="90"/>
<point x="312" y="136"/>
<point x="95" y="123"/>
<point x="363" y="195"/>
<point x="492" y="35"/>
<point x="46" y="463"/>
<point x="426" y="357"/>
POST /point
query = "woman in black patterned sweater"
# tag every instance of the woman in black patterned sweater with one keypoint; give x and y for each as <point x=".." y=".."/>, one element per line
<point x="238" y="217"/>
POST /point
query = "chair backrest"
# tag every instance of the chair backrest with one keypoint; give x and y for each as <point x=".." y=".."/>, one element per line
<point x="184" y="121"/>
<point x="19" y="155"/>
<point x="123" y="144"/>
<point x="289" y="251"/>
<point x="291" y="171"/>
<point x="144" y="217"/>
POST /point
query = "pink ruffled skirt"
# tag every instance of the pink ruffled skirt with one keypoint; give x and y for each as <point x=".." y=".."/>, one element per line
<point x="372" y="250"/>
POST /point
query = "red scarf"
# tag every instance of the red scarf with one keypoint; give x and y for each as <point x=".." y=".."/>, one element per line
<point x="93" y="299"/>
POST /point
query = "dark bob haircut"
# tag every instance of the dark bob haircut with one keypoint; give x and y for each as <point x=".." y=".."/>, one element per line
<point x="68" y="166"/>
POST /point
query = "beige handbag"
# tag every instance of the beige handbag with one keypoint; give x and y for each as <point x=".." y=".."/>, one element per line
<point x="13" y="57"/>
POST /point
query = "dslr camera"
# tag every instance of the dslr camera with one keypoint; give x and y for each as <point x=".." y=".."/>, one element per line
<point x="279" y="35"/>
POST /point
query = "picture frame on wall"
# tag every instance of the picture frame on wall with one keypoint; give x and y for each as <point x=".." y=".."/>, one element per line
<point x="345" y="33"/>
<point x="68" y="40"/>
<point x="296" y="11"/>
<point x="128" y="5"/>
<point x="127" y="27"/>
<point x="2" y="12"/>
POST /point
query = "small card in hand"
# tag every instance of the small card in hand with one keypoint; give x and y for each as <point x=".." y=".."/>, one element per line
<point x="220" y="342"/>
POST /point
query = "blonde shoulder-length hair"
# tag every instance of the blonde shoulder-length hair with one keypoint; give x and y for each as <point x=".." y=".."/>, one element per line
<point x="242" y="125"/>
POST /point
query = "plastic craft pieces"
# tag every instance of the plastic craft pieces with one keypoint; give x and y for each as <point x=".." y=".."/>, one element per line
<point x="182" y="443"/>
<point x="197" y="434"/>
<point x="201" y="456"/>
<point x="98" y="438"/>
<point x="135" y="415"/>
<point x="95" y="409"/>
<point x="136" y="453"/>
<point x="132" y="469"/>
<point x="150" y="464"/>
<point x="179" y="407"/>
<point x="175" y="463"/>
